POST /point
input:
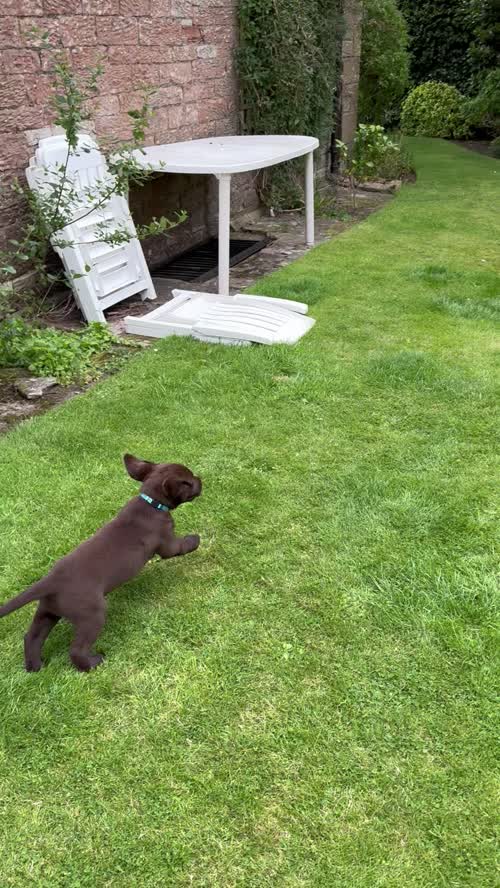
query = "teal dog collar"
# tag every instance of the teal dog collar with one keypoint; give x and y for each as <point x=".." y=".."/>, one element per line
<point x="160" y="507"/>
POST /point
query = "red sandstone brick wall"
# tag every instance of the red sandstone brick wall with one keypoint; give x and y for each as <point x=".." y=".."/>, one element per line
<point x="184" y="48"/>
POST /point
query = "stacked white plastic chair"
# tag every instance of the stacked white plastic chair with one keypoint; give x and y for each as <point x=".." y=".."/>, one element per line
<point x="101" y="274"/>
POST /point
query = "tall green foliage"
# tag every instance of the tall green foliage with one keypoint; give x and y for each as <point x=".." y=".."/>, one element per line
<point x="384" y="61"/>
<point x="484" y="51"/>
<point x="483" y="111"/>
<point x="454" y="41"/>
<point x="288" y="67"/>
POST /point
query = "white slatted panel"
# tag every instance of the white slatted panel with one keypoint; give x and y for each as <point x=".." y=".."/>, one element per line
<point x="117" y="271"/>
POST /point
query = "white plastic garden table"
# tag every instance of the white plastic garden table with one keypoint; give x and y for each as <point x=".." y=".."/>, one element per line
<point x="223" y="157"/>
<point x="103" y="273"/>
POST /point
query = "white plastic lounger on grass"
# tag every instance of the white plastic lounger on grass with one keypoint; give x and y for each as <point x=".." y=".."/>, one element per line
<point x="116" y="271"/>
<point x="231" y="320"/>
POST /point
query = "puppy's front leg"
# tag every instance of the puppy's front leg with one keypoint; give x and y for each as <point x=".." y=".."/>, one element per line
<point x="174" y="546"/>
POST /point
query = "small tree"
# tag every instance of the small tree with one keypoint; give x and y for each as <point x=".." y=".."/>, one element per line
<point x="51" y="209"/>
<point x="370" y="148"/>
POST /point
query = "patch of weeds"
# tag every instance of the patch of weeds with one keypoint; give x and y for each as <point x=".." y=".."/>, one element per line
<point x="413" y="368"/>
<point x="477" y="299"/>
<point x="69" y="357"/>
<point x="434" y="275"/>
<point x="396" y="165"/>
<point x="472" y="309"/>
<point x="325" y="207"/>
<point x="262" y="465"/>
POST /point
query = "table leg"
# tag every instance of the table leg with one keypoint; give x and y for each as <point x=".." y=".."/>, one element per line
<point x="310" y="199"/>
<point x="224" y="232"/>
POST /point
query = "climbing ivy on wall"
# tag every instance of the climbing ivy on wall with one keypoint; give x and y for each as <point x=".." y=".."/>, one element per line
<point x="288" y="62"/>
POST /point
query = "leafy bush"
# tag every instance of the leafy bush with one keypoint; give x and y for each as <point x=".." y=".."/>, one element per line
<point x="384" y="62"/>
<point x="288" y="63"/>
<point x="495" y="147"/>
<point x="436" y="110"/>
<point x="397" y="163"/>
<point x="371" y="145"/>
<point x="47" y="352"/>
<point x="483" y="111"/>
<point x="373" y="151"/>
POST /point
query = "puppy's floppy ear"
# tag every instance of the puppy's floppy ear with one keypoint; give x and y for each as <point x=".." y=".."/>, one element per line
<point x="138" y="469"/>
<point x="177" y="490"/>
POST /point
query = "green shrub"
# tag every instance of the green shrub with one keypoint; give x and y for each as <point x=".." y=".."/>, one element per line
<point x="287" y="61"/>
<point x="371" y="146"/>
<point x="436" y="110"/>
<point x="384" y="62"/>
<point x="372" y="151"/>
<point x="374" y="155"/>
<point x="495" y="147"/>
<point x="396" y="164"/>
<point x="47" y="352"/>
<point x="483" y="111"/>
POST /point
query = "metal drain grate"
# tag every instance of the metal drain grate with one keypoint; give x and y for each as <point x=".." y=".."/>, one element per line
<point x="200" y="263"/>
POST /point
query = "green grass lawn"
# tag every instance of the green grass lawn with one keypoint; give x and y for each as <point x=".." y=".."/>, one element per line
<point x="308" y="700"/>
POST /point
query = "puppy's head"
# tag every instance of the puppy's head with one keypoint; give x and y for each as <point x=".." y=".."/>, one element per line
<point x="169" y="483"/>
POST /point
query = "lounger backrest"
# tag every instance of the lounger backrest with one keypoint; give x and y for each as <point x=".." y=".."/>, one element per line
<point x="117" y="271"/>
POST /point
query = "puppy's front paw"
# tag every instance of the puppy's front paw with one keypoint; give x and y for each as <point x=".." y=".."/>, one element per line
<point x="86" y="662"/>
<point x="191" y="542"/>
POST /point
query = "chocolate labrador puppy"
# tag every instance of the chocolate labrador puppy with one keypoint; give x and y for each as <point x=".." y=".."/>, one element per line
<point x="77" y="585"/>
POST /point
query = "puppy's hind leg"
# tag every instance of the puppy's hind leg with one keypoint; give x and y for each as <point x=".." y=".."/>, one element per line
<point x="43" y="623"/>
<point x="87" y="628"/>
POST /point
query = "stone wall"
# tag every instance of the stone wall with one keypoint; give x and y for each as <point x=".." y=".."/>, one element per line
<point x="184" y="48"/>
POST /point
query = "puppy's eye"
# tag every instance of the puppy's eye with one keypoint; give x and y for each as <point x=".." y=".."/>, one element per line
<point x="187" y="484"/>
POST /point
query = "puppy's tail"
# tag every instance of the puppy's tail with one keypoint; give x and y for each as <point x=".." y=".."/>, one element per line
<point x="31" y="594"/>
